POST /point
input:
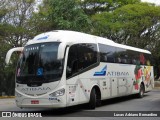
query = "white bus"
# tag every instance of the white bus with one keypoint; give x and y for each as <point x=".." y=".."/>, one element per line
<point x="64" y="68"/>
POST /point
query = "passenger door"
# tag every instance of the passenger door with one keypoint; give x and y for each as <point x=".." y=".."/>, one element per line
<point x="72" y="77"/>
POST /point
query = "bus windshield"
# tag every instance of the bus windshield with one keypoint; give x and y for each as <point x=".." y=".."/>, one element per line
<point x="39" y="63"/>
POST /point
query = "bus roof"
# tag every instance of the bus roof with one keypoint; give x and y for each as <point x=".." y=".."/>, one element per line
<point x="72" y="37"/>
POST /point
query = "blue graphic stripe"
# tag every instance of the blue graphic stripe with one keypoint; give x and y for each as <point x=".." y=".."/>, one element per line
<point x="102" y="73"/>
<point x="105" y="68"/>
<point x="45" y="37"/>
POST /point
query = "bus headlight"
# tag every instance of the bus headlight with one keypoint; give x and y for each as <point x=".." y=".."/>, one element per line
<point x="57" y="93"/>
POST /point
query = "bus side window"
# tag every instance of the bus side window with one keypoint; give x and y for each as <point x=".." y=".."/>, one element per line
<point x="121" y="56"/>
<point x="81" y="56"/>
<point x="149" y="60"/>
<point x="142" y="59"/>
<point x="107" y="53"/>
<point x="87" y="55"/>
<point x="72" y="62"/>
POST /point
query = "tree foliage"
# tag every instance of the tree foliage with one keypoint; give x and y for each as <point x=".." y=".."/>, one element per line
<point x="16" y="14"/>
<point x="135" y="25"/>
<point x="92" y="7"/>
<point x="65" y="14"/>
<point x="14" y="32"/>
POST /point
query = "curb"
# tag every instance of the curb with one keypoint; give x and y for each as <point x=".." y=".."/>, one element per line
<point x="5" y="97"/>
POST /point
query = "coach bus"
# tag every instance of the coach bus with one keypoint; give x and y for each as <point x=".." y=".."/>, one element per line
<point x="65" y="68"/>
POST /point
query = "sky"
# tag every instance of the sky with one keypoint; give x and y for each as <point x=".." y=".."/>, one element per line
<point x="157" y="2"/>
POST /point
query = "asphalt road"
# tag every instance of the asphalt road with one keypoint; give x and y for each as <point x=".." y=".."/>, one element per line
<point x="150" y="103"/>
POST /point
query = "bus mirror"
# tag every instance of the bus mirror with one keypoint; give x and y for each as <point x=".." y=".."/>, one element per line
<point x="9" y="53"/>
<point x="61" y="50"/>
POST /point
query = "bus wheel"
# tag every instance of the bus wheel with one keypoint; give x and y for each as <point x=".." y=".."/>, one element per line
<point x="141" y="91"/>
<point x="92" y="101"/>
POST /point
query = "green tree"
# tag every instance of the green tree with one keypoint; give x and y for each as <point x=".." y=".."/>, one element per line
<point x="17" y="14"/>
<point x="133" y="24"/>
<point x="64" y="14"/>
<point x="14" y="31"/>
<point x="92" y="7"/>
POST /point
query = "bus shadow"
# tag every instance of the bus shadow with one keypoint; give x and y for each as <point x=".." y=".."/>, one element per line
<point x="120" y="99"/>
<point x="80" y="110"/>
<point x="72" y="111"/>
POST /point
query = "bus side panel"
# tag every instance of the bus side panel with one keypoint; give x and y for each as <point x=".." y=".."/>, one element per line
<point x="72" y="91"/>
<point x="105" y="88"/>
<point x="114" y="90"/>
<point x="123" y="86"/>
<point x="85" y="89"/>
<point x="148" y="78"/>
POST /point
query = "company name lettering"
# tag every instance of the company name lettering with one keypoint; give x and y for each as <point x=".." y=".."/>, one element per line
<point x="116" y="73"/>
<point x="36" y="89"/>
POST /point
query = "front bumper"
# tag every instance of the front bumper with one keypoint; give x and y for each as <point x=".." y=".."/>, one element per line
<point x="45" y="102"/>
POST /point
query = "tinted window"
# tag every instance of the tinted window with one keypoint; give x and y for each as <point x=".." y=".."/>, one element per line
<point x="107" y="53"/>
<point x="121" y="56"/>
<point x="81" y="56"/>
<point x="39" y="63"/>
<point x="113" y="54"/>
<point x="142" y="59"/>
<point x="131" y="57"/>
<point x="149" y="60"/>
<point x="87" y="55"/>
<point x="72" y="63"/>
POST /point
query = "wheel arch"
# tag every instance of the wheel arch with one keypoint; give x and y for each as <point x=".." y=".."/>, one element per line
<point x="97" y="90"/>
<point x="142" y="83"/>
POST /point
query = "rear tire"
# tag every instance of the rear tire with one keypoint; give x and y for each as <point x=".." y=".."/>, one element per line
<point x="141" y="91"/>
<point x="92" y="101"/>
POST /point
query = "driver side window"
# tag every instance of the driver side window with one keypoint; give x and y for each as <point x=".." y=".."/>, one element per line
<point x="81" y="58"/>
<point x="72" y="63"/>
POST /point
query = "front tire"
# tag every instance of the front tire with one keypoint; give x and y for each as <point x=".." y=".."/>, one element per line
<point x="92" y="101"/>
